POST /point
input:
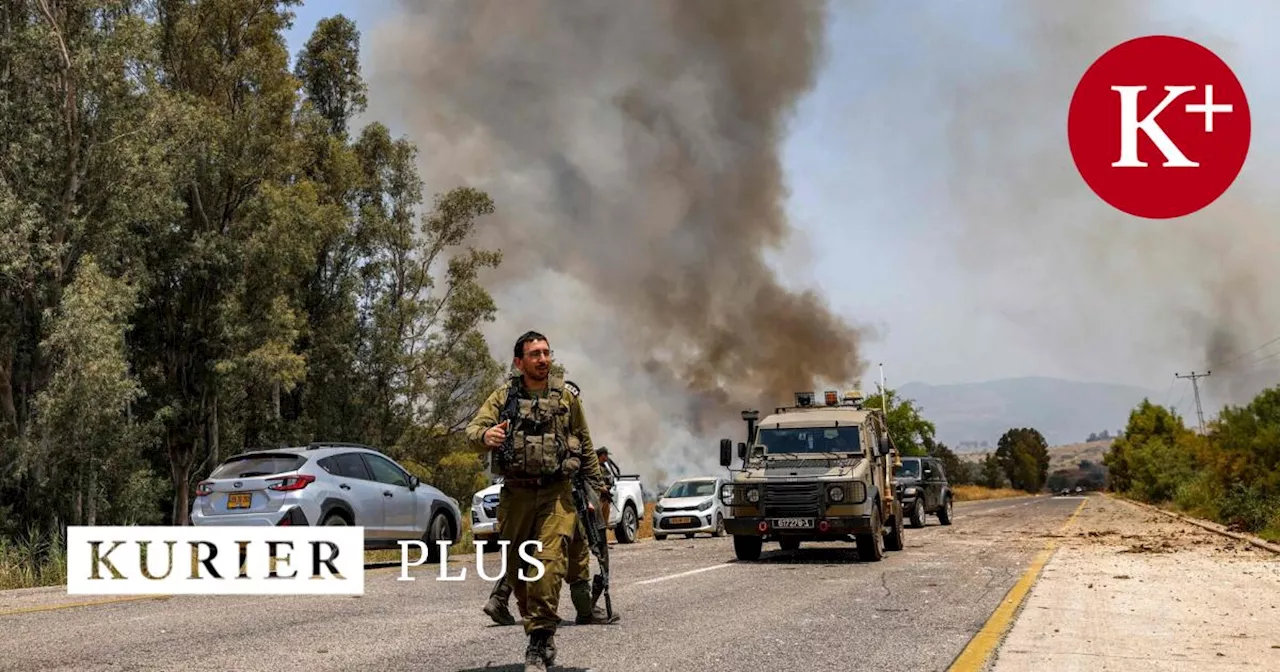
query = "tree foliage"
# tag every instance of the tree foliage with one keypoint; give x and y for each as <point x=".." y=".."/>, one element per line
<point x="1023" y="457"/>
<point x="202" y="253"/>
<point x="1231" y="474"/>
<point x="911" y="433"/>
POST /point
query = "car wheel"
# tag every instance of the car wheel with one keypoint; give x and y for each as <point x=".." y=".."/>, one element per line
<point x="944" y="514"/>
<point x="719" y="526"/>
<point x="440" y="529"/>
<point x="917" y="514"/>
<point x="626" y="530"/>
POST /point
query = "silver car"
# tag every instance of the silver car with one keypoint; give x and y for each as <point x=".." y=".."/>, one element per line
<point x="690" y="506"/>
<point x="328" y="484"/>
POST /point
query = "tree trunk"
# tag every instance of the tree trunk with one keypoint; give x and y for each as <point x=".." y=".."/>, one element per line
<point x="180" y="471"/>
<point x="214" y="457"/>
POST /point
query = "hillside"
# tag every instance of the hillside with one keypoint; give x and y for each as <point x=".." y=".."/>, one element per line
<point x="1060" y="457"/>
<point x="1065" y="411"/>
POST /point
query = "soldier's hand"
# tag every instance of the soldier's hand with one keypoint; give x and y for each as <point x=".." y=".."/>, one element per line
<point x="606" y="496"/>
<point x="571" y="465"/>
<point x="495" y="435"/>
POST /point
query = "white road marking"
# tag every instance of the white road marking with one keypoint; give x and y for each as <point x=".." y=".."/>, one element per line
<point x="676" y="576"/>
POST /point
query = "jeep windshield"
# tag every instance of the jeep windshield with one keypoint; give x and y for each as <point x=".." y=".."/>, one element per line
<point x="810" y="440"/>
<point x="691" y="489"/>
<point x="909" y="469"/>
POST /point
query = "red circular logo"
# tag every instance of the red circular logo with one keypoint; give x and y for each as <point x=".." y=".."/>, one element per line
<point x="1159" y="127"/>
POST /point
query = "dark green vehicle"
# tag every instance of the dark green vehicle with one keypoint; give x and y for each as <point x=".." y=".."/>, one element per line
<point x="923" y="488"/>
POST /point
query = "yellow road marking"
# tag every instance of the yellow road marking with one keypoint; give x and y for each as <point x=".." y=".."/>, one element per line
<point x="74" y="605"/>
<point x="975" y="655"/>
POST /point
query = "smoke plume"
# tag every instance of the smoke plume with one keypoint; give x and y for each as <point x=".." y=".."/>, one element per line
<point x="984" y="90"/>
<point x="632" y="150"/>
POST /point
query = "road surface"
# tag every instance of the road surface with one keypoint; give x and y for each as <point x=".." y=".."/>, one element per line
<point x="685" y="605"/>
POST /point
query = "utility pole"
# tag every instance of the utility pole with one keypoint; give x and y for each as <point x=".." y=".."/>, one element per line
<point x="1195" y="386"/>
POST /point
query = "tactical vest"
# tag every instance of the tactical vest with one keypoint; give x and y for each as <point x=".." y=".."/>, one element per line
<point x="540" y="430"/>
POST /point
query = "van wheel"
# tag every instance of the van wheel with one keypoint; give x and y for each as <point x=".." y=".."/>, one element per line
<point x="747" y="548"/>
<point x="871" y="546"/>
<point x="626" y="530"/>
<point x="893" y="541"/>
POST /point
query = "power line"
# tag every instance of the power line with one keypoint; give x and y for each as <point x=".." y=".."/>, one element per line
<point x="1229" y="362"/>
<point x="1195" y="386"/>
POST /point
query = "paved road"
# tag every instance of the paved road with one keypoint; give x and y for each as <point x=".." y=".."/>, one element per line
<point x="685" y="604"/>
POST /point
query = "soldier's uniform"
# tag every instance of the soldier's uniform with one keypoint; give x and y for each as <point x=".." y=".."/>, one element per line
<point x="551" y="440"/>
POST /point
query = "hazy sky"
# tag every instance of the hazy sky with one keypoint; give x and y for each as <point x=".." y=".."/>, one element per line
<point x="934" y="199"/>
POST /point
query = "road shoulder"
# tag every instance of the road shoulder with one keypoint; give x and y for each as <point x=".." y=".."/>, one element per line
<point x="1130" y="588"/>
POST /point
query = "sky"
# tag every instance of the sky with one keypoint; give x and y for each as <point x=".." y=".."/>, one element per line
<point x="933" y="198"/>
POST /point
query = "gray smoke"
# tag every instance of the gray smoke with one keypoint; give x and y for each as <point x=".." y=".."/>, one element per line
<point x="632" y="150"/>
<point x="985" y="89"/>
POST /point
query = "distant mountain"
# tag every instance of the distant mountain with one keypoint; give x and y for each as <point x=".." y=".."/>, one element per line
<point x="1066" y="412"/>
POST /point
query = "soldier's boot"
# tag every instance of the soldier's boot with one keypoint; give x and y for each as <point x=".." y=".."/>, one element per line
<point x="587" y="614"/>
<point x="496" y="607"/>
<point x="541" y="652"/>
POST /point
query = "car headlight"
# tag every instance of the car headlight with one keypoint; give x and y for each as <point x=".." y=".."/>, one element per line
<point x="477" y="501"/>
<point x="835" y="493"/>
<point x="657" y="508"/>
<point x="753" y="495"/>
<point x="910" y="491"/>
<point x="706" y="506"/>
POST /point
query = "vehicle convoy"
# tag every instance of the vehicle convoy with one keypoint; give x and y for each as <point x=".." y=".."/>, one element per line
<point x="924" y="490"/>
<point x="328" y="484"/>
<point x="624" y="513"/>
<point x="814" y="473"/>
<point x="690" y="506"/>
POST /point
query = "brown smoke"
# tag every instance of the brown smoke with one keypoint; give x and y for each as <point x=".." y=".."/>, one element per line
<point x="632" y="150"/>
<point x="986" y="89"/>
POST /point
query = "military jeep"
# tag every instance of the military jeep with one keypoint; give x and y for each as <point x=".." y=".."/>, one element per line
<point x="814" y="473"/>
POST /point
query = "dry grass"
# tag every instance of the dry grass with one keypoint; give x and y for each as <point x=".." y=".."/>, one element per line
<point x="974" y="493"/>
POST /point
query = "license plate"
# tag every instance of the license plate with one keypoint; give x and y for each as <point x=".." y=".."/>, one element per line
<point x="239" y="500"/>
<point x="793" y="523"/>
<point x="681" y="521"/>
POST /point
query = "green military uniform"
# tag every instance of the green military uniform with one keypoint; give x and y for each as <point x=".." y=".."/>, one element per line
<point x="550" y="439"/>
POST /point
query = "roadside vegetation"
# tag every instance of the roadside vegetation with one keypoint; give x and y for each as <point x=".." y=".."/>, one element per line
<point x="975" y="493"/>
<point x="1229" y="475"/>
<point x="201" y="253"/>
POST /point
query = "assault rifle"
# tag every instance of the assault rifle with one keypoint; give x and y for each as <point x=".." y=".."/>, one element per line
<point x="588" y="520"/>
<point x="506" y="453"/>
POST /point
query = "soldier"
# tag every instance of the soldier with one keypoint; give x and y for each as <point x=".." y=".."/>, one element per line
<point x="550" y="441"/>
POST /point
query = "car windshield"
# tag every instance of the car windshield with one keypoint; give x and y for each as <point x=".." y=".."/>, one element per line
<point x="258" y="465"/>
<point x="691" y="489"/>
<point x="811" y="440"/>
<point x="909" y="469"/>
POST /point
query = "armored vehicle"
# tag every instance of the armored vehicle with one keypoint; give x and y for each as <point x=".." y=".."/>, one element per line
<point x="814" y="473"/>
<point x="924" y="490"/>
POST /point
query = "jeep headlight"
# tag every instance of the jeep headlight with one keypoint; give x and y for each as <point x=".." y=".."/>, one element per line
<point x="753" y="494"/>
<point x="706" y="506"/>
<point x="835" y="493"/>
<point x="910" y="491"/>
